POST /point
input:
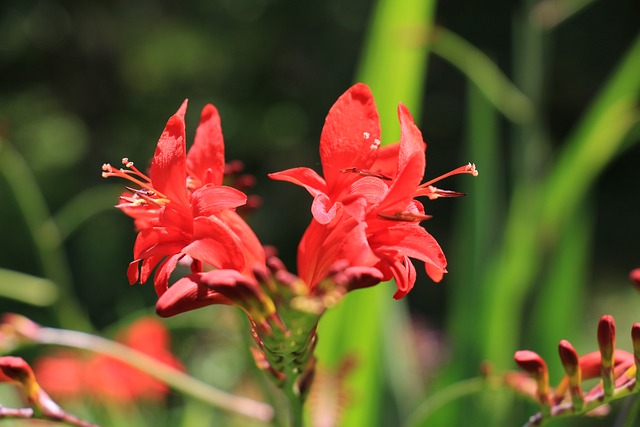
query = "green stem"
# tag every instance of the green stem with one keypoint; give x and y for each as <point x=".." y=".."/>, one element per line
<point x="443" y="397"/>
<point x="632" y="411"/>
<point x="296" y="401"/>
<point x="485" y="74"/>
<point x="174" y="378"/>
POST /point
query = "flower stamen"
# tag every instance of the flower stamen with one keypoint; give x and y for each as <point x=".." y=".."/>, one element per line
<point x="404" y="216"/>
<point x="145" y="194"/>
<point x="469" y="168"/>
<point x="432" y="192"/>
<point x="364" y="172"/>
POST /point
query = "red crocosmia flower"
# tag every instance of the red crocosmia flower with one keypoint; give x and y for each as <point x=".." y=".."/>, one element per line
<point x="349" y="142"/>
<point x="69" y="375"/>
<point x="365" y="211"/>
<point x="182" y="210"/>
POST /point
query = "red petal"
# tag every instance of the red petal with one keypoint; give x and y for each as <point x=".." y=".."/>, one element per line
<point x="211" y="199"/>
<point x="168" y="168"/>
<point x="411" y="142"/>
<point x="404" y="274"/>
<point x="372" y="189"/>
<point x="305" y="177"/>
<point x="214" y="243"/>
<point x="387" y="161"/>
<point x="251" y="246"/>
<point x="166" y="267"/>
<point x="435" y="272"/>
<point x="206" y="157"/>
<point x="411" y="240"/>
<point x="158" y="241"/>
<point x="351" y="134"/>
<point x="320" y="247"/>
<point x="323" y="209"/>
<point x="188" y="294"/>
<point x="404" y="186"/>
<point x="133" y="271"/>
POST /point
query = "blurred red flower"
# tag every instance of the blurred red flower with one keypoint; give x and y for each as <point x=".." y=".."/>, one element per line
<point x="71" y="375"/>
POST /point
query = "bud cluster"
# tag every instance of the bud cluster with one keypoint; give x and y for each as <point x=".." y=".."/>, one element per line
<point x="617" y="369"/>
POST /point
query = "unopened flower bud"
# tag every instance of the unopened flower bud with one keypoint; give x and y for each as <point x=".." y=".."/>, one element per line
<point x="607" y="339"/>
<point x="535" y="366"/>
<point x="607" y="342"/>
<point x="571" y="365"/>
<point x="569" y="358"/>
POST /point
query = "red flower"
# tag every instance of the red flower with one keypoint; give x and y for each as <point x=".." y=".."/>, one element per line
<point x="72" y="376"/>
<point x="364" y="209"/>
<point x="182" y="210"/>
<point x="349" y="142"/>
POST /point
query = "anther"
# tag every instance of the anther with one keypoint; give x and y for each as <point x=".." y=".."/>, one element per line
<point x="364" y="172"/>
<point x="405" y="217"/>
<point x="469" y="168"/>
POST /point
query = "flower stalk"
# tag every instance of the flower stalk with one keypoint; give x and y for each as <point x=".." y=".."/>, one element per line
<point x="176" y="379"/>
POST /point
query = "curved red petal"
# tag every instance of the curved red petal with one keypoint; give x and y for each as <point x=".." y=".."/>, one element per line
<point x="251" y="246"/>
<point x="404" y="274"/>
<point x="158" y="241"/>
<point x="403" y="188"/>
<point x="304" y="177"/>
<point x="205" y="160"/>
<point x="351" y="134"/>
<point x="214" y="243"/>
<point x="321" y="246"/>
<point x="188" y="294"/>
<point x="373" y="190"/>
<point x="323" y="209"/>
<point x="163" y="272"/>
<point x="411" y="142"/>
<point x="133" y="271"/>
<point x="387" y="160"/>
<point x="414" y="241"/>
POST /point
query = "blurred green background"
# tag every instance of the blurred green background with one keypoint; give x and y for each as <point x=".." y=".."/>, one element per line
<point x="542" y="96"/>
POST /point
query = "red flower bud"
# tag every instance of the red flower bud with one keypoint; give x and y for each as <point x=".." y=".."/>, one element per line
<point x="571" y="365"/>
<point x="607" y="342"/>
<point x="607" y="339"/>
<point x="635" y="338"/>
<point x="569" y="358"/>
<point x="531" y="362"/>
<point x="535" y="366"/>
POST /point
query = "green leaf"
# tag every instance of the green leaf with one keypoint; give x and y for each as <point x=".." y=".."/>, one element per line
<point x="26" y="288"/>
